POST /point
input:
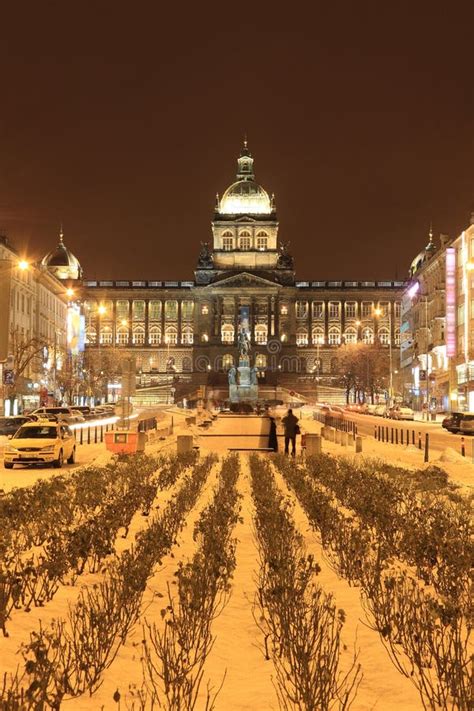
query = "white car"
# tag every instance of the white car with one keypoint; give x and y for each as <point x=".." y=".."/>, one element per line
<point x="41" y="442"/>
<point x="401" y="412"/>
<point x="380" y="410"/>
<point x="66" y="414"/>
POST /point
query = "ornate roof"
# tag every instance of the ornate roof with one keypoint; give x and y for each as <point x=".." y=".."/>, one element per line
<point x="62" y="262"/>
<point x="245" y="196"/>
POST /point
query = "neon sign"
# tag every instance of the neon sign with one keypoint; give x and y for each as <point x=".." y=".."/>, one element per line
<point x="450" y="301"/>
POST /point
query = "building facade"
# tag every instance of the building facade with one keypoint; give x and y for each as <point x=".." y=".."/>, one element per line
<point x="189" y="329"/>
<point x="33" y="304"/>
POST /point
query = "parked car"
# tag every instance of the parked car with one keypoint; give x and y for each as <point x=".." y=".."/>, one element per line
<point x="78" y="415"/>
<point x="452" y="422"/>
<point x="401" y="412"/>
<point x="85" y="410"/>
<point x="62" y="413"/>
<point x="9" y="425"/>
<point x="466" y="423"/>
<point x="358" y="407"/>
<point x="41" y="442"/>
<point x="371" y="408"/>
<point x="380" y="410"/>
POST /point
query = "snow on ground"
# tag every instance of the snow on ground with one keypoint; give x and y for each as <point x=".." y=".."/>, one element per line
<point x="459" y="469"/>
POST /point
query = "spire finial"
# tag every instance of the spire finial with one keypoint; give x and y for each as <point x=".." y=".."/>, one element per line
<point x="245" y="141"/>
<point x="61" y="234"/>
<point x="431" y="231"/>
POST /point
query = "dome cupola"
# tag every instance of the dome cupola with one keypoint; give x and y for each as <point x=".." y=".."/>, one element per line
<point x="61" y="261"/>
<point x="245" y="196"/>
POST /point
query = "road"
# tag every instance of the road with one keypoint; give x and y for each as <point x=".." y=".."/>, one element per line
<point x="439" y="438"/>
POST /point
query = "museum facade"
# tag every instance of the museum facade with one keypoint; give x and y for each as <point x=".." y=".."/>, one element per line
<point x="190" y="328"/>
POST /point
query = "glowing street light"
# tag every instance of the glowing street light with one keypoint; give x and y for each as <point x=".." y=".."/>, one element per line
<point x="101" y="309"/>
<point x="23" y="265"/>
<point x="70" y="292"/>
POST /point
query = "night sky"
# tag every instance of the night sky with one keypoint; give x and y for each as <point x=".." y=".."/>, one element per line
<point x="123" y="123"/>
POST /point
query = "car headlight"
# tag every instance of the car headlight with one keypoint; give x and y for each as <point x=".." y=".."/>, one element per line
<point x="10" y="450"/>
<point x="49" y="449"/>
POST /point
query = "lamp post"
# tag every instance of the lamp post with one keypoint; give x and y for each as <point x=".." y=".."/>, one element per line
<point x="101" y="310"/>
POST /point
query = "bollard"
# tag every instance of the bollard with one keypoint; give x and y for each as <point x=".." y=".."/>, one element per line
<point x="95" y="434"/>
<point x="313" y="444"/>
<point x="391" y="435"/>
<point x="412" y="437"/>
<point x="101" y="433"/>
<point x="386" y="434"/>
<point x="81" y="440"/>
<point x="463" y="448"/>
<point x="396" y="436"/>
<point x="401" y="437"/>
<point x="375" y="431"/>
<point x="427" y="446"/>
<point x="358" y="444"/>
<point x="419" y="440"/>
<point x="88" y="435"/>
<point x="383" y="434"/>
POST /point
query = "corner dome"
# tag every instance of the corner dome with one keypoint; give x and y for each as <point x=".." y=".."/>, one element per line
<point x="245" y="196"/>
<point x="61" y="262"/>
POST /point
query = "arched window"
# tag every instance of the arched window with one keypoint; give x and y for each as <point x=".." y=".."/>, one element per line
<point x="350" y="335"/>
<point x="261" y="360"/>
<point x="334" y="337"/>
<point x="138" y="336"/>
<point x="227" y="241"/>
<point x="317" y="336"/>
<point x="187" y="335"/>
<point x="262" y="241"/>
<point x="154" y="336"/>
<point x="187" y="364"/>
<point x="227" y="333"/>
<point x="397" y="337"/>
<point x="171" y="335"/>
<point x="227" y="361"/>
<point x="261" y="333"/>
<point x="122" y="336"/>
<point x="91" y="335"/>
<point x="106" y="336"/>
<point x="245" y="241"/>
<point x="384" y="336"/>
<point x="367" y="336"/>
<point x="302" y="337"/>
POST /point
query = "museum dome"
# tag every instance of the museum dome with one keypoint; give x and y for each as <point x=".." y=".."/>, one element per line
<point x="245" y="196"/>
<point x="62" y="262"/>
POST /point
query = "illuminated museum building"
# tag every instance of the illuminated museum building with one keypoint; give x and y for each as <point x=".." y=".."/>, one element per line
<point x="190" y="327"/>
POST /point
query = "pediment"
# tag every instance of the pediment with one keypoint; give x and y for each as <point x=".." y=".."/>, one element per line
<point x="243" y="279"/>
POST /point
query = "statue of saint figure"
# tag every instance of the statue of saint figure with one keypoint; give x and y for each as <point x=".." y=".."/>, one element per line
<point x="253" y="375"/>
<point x="244" y="343"/>
<point x="232" y="374"/>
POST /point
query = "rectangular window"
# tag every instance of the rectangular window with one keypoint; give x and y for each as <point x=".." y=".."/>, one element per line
<point x="301" y="309"/>
<point x="187" y="310"/>
<point x="367" y="309"/>
<point x="122" y="309"/>
<point x="397" y="309"/>
<point x="351" y="310"/>
<point x="138" y="310"/>
<point x="284" y="310"/>
<point x="318" y="309"/>
<point x="334" y="309"/>
<point x="154" y="310"/>
<point x="171" y="310"/>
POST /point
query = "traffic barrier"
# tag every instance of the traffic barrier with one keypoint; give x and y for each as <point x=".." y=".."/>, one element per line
<point x="427" y="447"/>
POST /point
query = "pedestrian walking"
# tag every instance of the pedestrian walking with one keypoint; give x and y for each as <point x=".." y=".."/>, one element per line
<point x="290" y="423"/>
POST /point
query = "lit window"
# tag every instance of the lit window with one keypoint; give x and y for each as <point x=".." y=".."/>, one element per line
<point x="350" y="336"/>
<point x="227" y="361"/>
<point x="262" y="241"/>
<point x="171" y="336"/>
<point x="301" y="309"/>
<point x="334" y="337"/>
<point x="227" y="241"/>
<point x="138" y="337"/>
<point x="204" y="309"/>
<point x="106" y="336"/>
<point x="318" y="309"/>
<point x="122" y="337"/>
<point x="384" y="337"/>
<point x="187" y="336"/>
<point x="154" y="310"/>
<point x="397" y="337"/>
<point x="227" y="333"/>
<point x="351" y="309"/>
<point x="261" y="333"/>
<point x="284" y="309"/>
<point x="367" y="336"/>
<point x="334" y="309"/>
<point x="317" y="337"/>
<point x="245" y="242"/>
<point x="261" y="360"/>
<point x="154" y="336"/>
<point x="367" y="309"/>
<point x="302" y="338"/>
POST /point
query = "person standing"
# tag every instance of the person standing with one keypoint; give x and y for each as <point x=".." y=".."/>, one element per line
<point x="290" y="423"/>
<point x="272" y="436"/>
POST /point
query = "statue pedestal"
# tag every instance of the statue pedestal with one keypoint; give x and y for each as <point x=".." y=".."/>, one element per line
<point x="245" y="390"/>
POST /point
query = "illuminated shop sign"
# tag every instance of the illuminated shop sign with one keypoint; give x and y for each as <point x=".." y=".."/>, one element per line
<point x="450" y="301"/>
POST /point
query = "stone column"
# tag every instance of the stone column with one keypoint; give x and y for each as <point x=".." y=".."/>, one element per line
<point x="179" y="323"/>
<point x="147" y="324"/>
